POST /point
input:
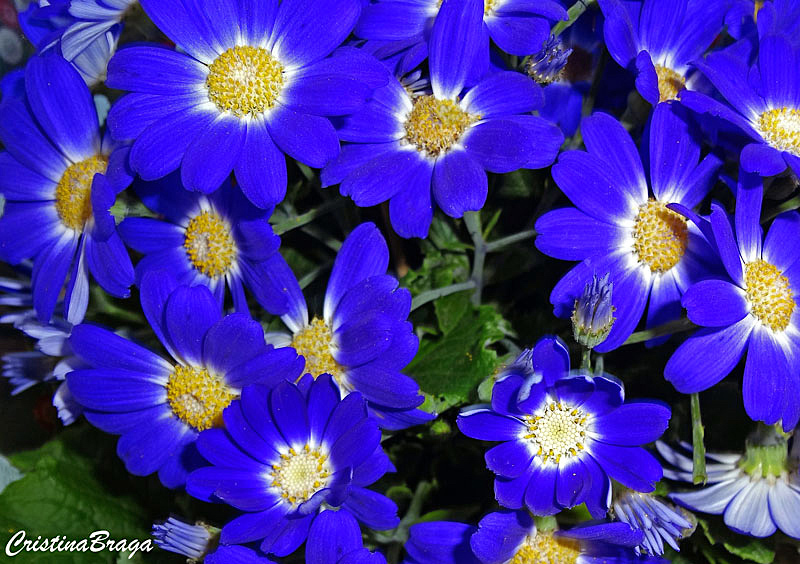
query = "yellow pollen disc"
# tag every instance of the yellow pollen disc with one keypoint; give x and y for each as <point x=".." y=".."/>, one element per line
<point x="660" y="236"/>
<point x="545" y="549"/>
<point x="299" y="475"/>
<point x="670" y="83"/>
<point x="769" y="294"/>
<point x="245" y="81"/>
<point x="197" y="397"/>
<point x="209" y="243"/>
<point x="488" y="6"/>
<point x="781" y="129"/>
<point x="559" y="431"/>
<point x="434" y="125"/>
<point x="74" y="191"/>
<point x="314" y="342"/>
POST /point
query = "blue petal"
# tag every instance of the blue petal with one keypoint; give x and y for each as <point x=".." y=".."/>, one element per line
<point x="28" y="227"/>
<point x="289" y="413"/>
<point x="630" y="296"/>
<point x="574" y="482"/>
<point x="411" y="210"/>
<point x="356" y="444"/>
<point x="674" y="153"/>
<point x="189" y="314"/>
<point x="347" y="414"/>
<point x="503" y="93"/>
<point x="540" y="496"/>
<point x="375" y="510"/>
<point x="632" y="424"/>
<point x="261" y="167"/>
<point x="454" y="46"/>
<point x="715" y="303"/>
<point x="22" y="138"/>
<point x="63" y="106"/>
<point x="154" y="291"/>
<point x="250" y="526"/>
<point x="459" y="183"/>
<point x="147" y="235"/>
<point x="762" y="159"/>
<point x="110" y="265"/>
<point x="766" y="374"/>
<point x="394" y="20"/>
<point x="49" y="274"/>
<point x="287" y="536"/>
<point x="729" y="74"/>
<point x="146" y="449"/>
<point x="776" y="59"/>
<point x="621" y="38"/>
<point x="216" y="446"/>
<point x="210" y="157"/>
<point x="784" y="506"/>
<point x="786" y="227"/>
<point x="551" y="358"/>
<point x="332" y="535"/>
<point x="178" y="23"/>
<point x="726" y="243"/>
<point x="387" y="388"/>
<point x="255" y="407"/>
<point x="101" y="348"/>
<point x="647" y="78"/>
<point x="156" y="70"/>
<point x="633" y="467"/>
<point x="510" y="459"/>
<point x="660" y="22"/>
<point x="441" y="542"/>
<point x="500" y="535"/>
<point x="20" y="183"/>
<point x="133" y="113"/>
<point x="309" y="139"/>
<point x="231" y="341"/>
<point x="748" y="512"/>
<point x="512" y="142"/>
<point x="511" y="493"/>
<point x="362" y="340"/>
<point x="516" y="32"/>
<point x="707" y="357"/>
<point x="383" y="176"/>
<point x="570" y="234"/>
<point x="115" y="390"/>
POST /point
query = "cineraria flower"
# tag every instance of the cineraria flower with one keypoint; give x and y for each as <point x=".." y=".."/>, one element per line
<point x="159" y="406"/>
<point x="219" y="240"/>
<point x="593" y="316"/>
<point x="755" y="309"/>
<point x="60" y="179"/>
<point x="363" y="338"/>
<point x="511" y="537"/>
<point x="764" y="103"/>
<point x="199" y="543"/>
<point x="757" y="493"/>
<point x="660" y="40"/>
<point x="658" y="520"/>
<point x="516" y="26"/>
<point x="252" y="84"/>
<point x="296" y="460"/>
<point x="413" y="149"/>
<point x="621" y="228"/>
<point x="564" y="438"/>
<point x="84" y="32"/>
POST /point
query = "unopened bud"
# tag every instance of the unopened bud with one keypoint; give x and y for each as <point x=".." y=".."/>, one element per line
<point x="593" y="316"/>
<point x="545" y="67"/>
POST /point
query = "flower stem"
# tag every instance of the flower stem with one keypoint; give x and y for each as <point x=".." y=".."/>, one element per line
<point x="305" y="218"/>
<point x="699" y="475"/>
<point x="503" y="242"/>
<point x="436" y="293"/>
<point x="473" y="221"/>
<point x="676" y="326"/>
<point x="791" y="204"/>
<point x="586" y="359"/>
<point x="574" y="13"/>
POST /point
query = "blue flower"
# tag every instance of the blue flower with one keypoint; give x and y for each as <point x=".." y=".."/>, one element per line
<point x="219" y="240"/>
<point x="511" y="537"/>
<point x="658" y="520"/>
<point x="159" y="406"/>
<point x="59" y="179"/>
<point x="254" y="83"/>
<point x="414" y="149"/>
<point x="199" y="542"/>
<point x="564" y="437"/>
<point x="659" y="41"/>
<point x="284" y="453"/>
<point x="622" y="228"/>
<point x="84" y="32"/>
<point x="757" y="493"/>
<point x="764" y="103"/>
<point x="755" y="308"/>
<point x="363" y="338"/>
<point x="518" y="27"/>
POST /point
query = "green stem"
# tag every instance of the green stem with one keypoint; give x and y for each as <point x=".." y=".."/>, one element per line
<point x="308" y="217"/>
<point x="436" y="293"/>
<point x="677" y="326"/>
<point x="699" y="475"/>
<point x="503" y="242"/>
<point x="791" y="204"/>
<point x="313" y="275"/>
<point x="573" y="13"/>
<point x="599" y="364"/>
<point x="473" y="221"/>
<point x="586" y="359"/>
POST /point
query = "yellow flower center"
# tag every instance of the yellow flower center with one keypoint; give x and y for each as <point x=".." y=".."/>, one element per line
<point x="545" y="549"/>
<point x="660" y="236"/>
<point x="299" y="475"/>
<point x="489" y="5"/>
<point x="209" y="243"/>
<point x="433" y="125"/>
<point x="245" y="81"/>
<point x="74" y="191"/>
<point x="559" y="431"/>
<point x="670" y="83"/>
<point x="769" y="294"/>
<point x="198" y="397"/>
<point x="315" y="342"/>
<point x="780" y="127"/>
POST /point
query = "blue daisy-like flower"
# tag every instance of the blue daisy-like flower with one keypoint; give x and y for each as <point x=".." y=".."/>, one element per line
<point x="511" y="537"/>
<point x="414" y="149"/>
<point x="159" y="406"/>
<point x="84" y="32"/>
<point x="757" y="493"/>
<point x="519" y="27"/>
<point x="564" y="437"/>
<point x="198" y="543"/>
<point x="219" y="240"/>
<point x="754" y="309"/>
<point x="764" y="103"/>
<point x="659" y="40"/>
<point x="288" y="454"/>
<point x="60" y="178"/>
<point x="254" y="82"/>
<point x="363" y="338"/>
<point x="622" y="228"/>
<point x="658" y="520"/>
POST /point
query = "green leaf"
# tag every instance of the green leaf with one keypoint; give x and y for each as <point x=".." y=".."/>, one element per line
<point x="753" y="550"/>
<point x="61" y="495"/>
<point x="451" y="309"/>
<point x="451" y="367"/>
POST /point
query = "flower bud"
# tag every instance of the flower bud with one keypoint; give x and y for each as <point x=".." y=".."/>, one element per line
<point x="593" y="316"/>
<point x="545" y="67"/>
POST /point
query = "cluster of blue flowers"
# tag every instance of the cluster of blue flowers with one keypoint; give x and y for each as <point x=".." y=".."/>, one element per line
<point x="679" y="206"/>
